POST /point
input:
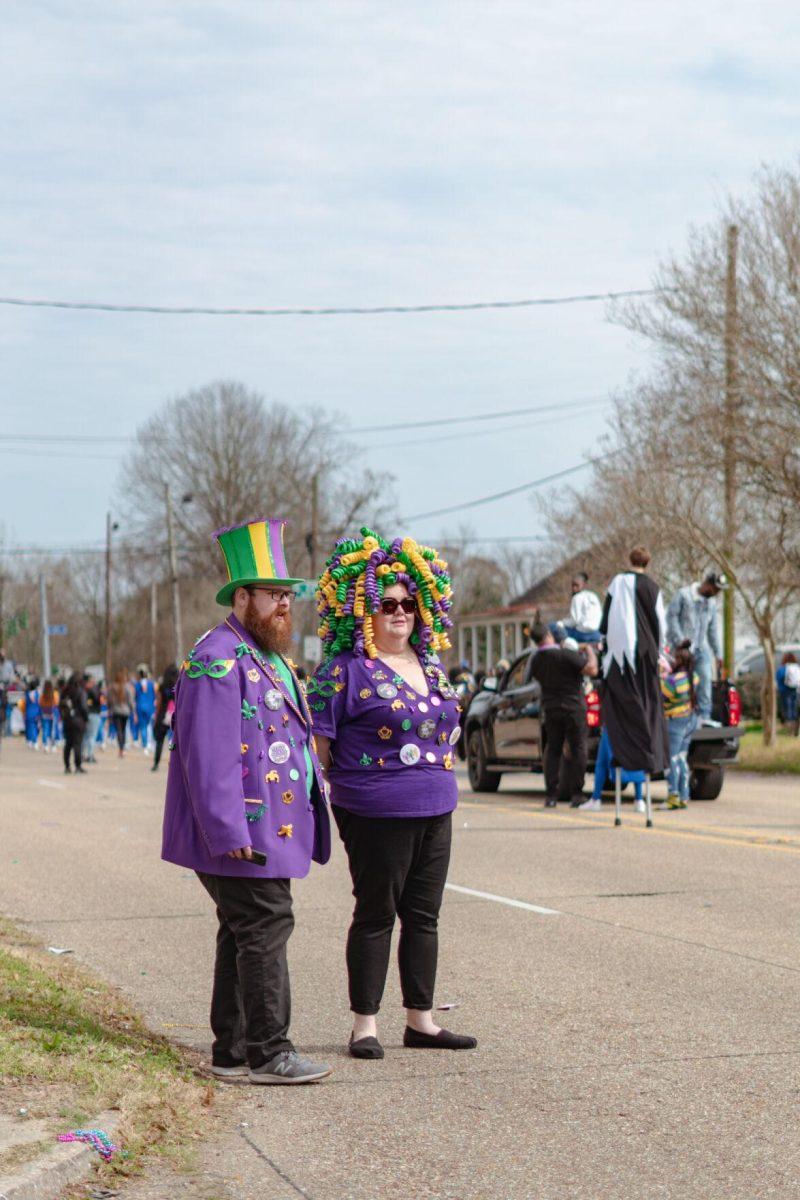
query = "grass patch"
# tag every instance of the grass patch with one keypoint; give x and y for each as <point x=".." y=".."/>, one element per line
<point x="781" y="759"/>
<point x="80" y="1048"/>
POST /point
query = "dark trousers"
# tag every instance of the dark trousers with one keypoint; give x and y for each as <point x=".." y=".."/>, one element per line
<point x="159" y="733"/>
<point x="565" y="725"/>
<point x="251" y="1000"/>
<point x="398" y="867"/>
<point x="73" y="741"/>
<point x="120" y="728"/>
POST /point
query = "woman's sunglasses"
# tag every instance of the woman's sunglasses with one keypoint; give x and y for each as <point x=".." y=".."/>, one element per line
<point x="389" y="606"/>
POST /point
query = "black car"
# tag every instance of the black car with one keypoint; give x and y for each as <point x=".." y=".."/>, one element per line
<point x="503" y="732"/>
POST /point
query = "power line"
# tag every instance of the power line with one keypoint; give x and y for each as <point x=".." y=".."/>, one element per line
<point x="584" y="410"/>
<point x="490" y="416"/>
<point x="18" y="443"/>
<point x="524" y="487"/>
<point x="194" y="310"/>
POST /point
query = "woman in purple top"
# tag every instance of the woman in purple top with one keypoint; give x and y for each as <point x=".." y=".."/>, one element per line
<point x="386" y="722"/>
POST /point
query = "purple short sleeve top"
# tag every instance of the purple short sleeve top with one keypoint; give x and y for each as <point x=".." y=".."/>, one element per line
<point x="392" y="748"/>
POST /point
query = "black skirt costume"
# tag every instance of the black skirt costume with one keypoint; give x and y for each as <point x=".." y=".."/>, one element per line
<point x="634" y="627"/>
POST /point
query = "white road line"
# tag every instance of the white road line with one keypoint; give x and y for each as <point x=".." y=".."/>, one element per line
<point x="51" y="783"/>
<point x="465" y="891"/>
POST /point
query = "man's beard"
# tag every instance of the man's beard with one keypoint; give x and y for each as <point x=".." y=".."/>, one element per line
<point x="273" y="634"/>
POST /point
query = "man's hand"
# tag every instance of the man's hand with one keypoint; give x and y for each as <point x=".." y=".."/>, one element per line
<point x="245" y="852"/>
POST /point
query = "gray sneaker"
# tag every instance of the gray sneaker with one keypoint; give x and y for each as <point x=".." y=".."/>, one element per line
<point x="289" y="1067"/>
<point x="239" y="1072"/>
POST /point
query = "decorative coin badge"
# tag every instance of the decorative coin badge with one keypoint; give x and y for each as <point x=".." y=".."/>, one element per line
<point x="410" y="754"/>
<point x="273" y="699"/>
<point x="426" y="729"/>
<point x="386" y="691"/>
<point x="278" y="752"/>
<point x="455" y="735"/>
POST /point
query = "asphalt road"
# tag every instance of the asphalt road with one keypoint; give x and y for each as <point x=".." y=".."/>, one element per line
<point x="634" y="993"/>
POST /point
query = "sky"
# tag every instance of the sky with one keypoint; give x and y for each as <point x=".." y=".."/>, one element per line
<point x="337" y="154"/>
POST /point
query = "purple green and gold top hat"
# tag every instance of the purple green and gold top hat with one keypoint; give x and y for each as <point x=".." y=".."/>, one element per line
<point x="253" y="554"/>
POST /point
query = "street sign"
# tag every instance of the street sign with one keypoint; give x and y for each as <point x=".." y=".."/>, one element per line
<point x="57" y="630"/>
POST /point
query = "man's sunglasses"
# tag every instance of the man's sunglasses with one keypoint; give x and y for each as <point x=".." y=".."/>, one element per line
<point x="389" y="606"/>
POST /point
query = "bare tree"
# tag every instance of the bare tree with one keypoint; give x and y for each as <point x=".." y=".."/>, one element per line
<point x="663" y="479"/>
<point x="237" y="457"/>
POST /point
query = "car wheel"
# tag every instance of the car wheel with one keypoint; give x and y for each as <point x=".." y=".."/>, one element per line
<point x="706" y="785"/>
<point x="480" y="779"/>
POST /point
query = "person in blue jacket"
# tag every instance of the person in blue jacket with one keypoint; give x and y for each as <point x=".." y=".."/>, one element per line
<point x="33" y="714"/>
<point x="145" y="704"/>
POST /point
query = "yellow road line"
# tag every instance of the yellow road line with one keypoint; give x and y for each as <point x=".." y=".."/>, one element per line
<point x="756" y="841"/>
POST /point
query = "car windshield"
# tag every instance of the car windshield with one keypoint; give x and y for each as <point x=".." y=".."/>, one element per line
<point x="516" y="675"/>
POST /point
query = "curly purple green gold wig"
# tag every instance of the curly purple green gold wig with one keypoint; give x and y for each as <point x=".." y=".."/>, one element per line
<point x="352" y="585"/>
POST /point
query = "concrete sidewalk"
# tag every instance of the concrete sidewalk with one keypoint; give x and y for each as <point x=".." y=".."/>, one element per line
<point x="640" y="1039"/>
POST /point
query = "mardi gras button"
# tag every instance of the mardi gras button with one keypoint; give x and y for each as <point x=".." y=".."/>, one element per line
<point x="435" y="701"/>
<point x="455" y="734"/>
<point x="426" y="729"/>
<point x="294" y="774"/>
<point x="273" y="699"/>
<point x="431" y="757"/>
<point x="253" y="675"/>
<point x="422" y="706"/>
<point x="410" y="754"/>
<point x="278" y="752"/>
<point x="386" y="691"/>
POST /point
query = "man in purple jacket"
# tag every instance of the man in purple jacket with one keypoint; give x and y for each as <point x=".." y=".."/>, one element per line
<point x="245" y="805"/>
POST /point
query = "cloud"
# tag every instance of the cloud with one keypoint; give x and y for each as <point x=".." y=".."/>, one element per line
<point x="363" y="153"/>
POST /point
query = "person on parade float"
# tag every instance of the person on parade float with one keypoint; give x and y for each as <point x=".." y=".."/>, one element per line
<point x="245" y="807"/>
<point x="387" y="720"/>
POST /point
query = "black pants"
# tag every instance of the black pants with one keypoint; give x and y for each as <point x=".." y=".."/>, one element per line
<point x="251" y="1000"/>
<point x="565" y="725"/>
<point x="120" y="728"/>
<point x="398" y="867"/>
<point x="73" y="742"/>
<point x="159" y="733"/>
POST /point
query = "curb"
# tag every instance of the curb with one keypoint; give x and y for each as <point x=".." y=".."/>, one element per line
<point x="68" y="1162"/>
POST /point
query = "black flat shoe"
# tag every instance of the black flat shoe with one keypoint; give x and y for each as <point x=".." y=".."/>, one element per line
<point x="366" y="1047"/>
<point x="443" y="1040"/>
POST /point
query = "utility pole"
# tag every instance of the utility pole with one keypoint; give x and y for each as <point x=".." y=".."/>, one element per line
<point x="314" y="538"/>
<point x="45" y="628"/>
<point x="153" y="624"/>
<point x="107" y="650"/>
<point x="729" y="436"/>
<point x="173" y="574"/>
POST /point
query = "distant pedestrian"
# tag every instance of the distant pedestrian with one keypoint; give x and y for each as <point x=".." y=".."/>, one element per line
<point x="633" y="626"/>
<point x="560" y="675"/>
<point x="48" y="702"/>
<point x="145" y="703"/>
<point x="164" y="711"/>
<point x="74" y="715"/>
<point x="33" y="714"/>
<point x="120" y="704"/>
<point x="93" y="724"/>
<point x="692" y="617"/>
<point x="787" y="678"/>
<point x="678" y="687"/>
